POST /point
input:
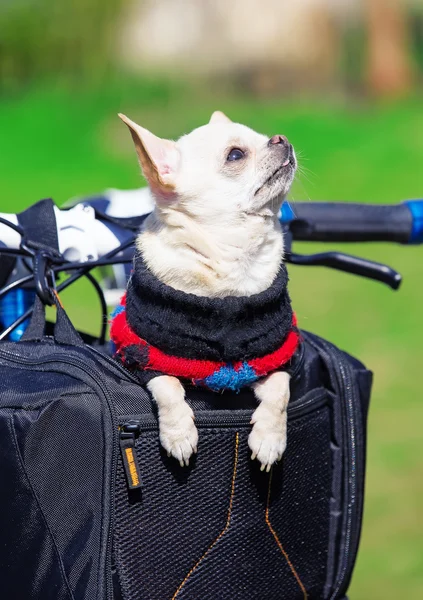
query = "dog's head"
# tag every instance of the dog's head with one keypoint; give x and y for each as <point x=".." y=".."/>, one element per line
<point x="219" y="168"/>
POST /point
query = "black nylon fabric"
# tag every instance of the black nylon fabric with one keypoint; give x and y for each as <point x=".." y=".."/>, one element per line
<point x="30" y="566"/>
<point x="37" y="435"/>
<point x="58" y="425"/>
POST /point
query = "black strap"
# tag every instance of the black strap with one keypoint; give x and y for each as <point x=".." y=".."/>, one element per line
<point x="39" y="224"/>
<point x="40" y="234"/>
<point x="7" y="264"/>
<point x="64" y="331"/>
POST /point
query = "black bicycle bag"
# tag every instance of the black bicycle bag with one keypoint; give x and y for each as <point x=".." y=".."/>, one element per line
<point x="73" y="525"/>
<point x="92" y="508"/>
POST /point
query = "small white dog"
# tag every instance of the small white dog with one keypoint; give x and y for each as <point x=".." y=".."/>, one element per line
<point x="215" y="234"/>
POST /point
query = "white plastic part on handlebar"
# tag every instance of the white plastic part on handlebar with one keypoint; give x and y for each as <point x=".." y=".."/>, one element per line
<point x="81" y="236"/>
<point x="9" y="238"/>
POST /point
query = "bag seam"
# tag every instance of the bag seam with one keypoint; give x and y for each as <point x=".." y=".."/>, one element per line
<point x="279" y="543"/>
<point x="18" y="452"/>
<point x="227" y="525"/>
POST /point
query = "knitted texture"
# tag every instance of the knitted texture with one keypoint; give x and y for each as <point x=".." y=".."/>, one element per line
<point x="224" y="343"/>
<point x="218" y="329"/>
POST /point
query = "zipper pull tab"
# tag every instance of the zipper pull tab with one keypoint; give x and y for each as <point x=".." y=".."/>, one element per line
<point x="128" y="432"/>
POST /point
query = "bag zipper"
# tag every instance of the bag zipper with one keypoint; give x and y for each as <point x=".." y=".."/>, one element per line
<point x="351" y="421"/>
<point x="127" y="434"/>
<point x="19" y="359"/>
<point x="228" y="418"/>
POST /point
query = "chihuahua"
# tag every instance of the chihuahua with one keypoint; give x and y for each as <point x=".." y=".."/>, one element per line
<point x="213" y="240"/>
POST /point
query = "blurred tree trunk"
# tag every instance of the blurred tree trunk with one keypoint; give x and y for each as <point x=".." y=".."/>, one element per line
<point x="313" y="70"/>
<point x="388" y="67"/>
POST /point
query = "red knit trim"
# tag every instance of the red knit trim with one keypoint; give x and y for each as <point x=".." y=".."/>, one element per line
<point x="122" y="335"/>
<point x="271" y="362"/>
<point x="181" y="367"/>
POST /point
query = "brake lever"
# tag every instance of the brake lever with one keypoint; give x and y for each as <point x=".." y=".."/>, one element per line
<point x="341" y="262"/>
<point x="349" y="264"/>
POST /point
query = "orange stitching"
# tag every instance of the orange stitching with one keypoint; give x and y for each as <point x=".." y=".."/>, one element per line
<point x="275" y="535"/>
<point x="58" y="298"/>
<point x="225" y="529"/>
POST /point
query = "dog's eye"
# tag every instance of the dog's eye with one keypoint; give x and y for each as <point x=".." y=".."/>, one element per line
<point x="235" y="154"/>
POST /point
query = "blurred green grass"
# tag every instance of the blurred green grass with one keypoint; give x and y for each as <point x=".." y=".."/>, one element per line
<point x="63" y="143"/>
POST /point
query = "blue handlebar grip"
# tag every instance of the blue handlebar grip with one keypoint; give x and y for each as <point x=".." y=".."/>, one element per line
<point x="416" y="209"/>
<point x="287" y="214"/>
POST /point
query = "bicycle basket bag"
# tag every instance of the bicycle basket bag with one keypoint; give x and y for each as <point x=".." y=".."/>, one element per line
<point x="92" y="508"/>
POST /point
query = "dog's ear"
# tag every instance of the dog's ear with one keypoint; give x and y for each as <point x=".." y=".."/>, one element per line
<point x="159" y="159"/>
<point x="219" y="117"/>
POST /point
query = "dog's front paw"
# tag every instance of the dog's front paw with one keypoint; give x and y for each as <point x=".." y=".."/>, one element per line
<point x="267" y="439"/>
<point x="178" y="433"/>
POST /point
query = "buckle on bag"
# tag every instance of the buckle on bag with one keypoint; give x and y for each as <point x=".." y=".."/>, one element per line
<point x="42" y="260"/>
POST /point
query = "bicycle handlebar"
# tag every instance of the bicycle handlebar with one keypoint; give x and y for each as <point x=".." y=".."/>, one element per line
<point x="85" y="236"/>
<point x="353" y="222"/>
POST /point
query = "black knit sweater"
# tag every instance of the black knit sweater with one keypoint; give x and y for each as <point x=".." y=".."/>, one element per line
<point x="219" y="329"/>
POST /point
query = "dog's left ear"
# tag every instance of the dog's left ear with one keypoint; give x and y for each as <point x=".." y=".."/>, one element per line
<point x="159" y="159"/>
<point x="219" y="117"/>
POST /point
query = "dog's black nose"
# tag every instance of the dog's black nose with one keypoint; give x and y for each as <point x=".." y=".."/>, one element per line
<point x="278" y="139"/>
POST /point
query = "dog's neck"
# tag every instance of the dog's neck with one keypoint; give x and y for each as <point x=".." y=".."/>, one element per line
<point x="238" y="256"/>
